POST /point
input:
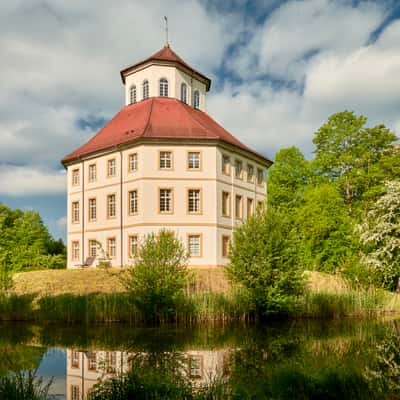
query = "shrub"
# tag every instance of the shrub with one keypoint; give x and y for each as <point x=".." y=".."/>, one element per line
<point x="263" y="262"/>
<point x="156" y="281"/>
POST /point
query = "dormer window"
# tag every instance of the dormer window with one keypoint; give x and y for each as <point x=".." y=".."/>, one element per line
<point x="132" y="94"/>
<point x="196" y="99"/>
<point x="145" y="89"/>
<point x="163" y="87"/>
<point x="184" y="93"/>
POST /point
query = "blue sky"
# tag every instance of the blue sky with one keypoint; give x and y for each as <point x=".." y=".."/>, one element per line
<point x="279" y="69"/>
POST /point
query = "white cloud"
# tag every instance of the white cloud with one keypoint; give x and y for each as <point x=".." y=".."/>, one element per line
<point x="27" y="181"/>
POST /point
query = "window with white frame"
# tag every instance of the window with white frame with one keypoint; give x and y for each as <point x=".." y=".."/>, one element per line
<point x="145" y="89"/>
<point x="184" y="92"/>
<point x="165" y="200"/>
<point x="194" y="199"/>
<point x="92" y="248"/>
<point x="75" y="212"/>
<point x="238" y="207"/>
<point x="260" y="176"/>
<point x="112" y="167"/>
<point x="111" y="247"/>
<point x="250" y="173"/>
<point x="165" y="160"/>
<point x="238" y="169"/>
<point x="194" y="245"/>
<point x="75" y="358"/>
<point x="163" y="87"/>
<point x="225" y="245"/>
<point x="75" y="177"/>
<point x="132" y="94"/>
<point x="133" y="162"/>
<point x="226" y="164"/>
<point x="92" y="361"/>
<point x="75" y="251"/>
<point x="193" y="160"/>
<point x="226" y="204"/>
<point x="196" y="99"/>
<point x="75" y="392"/>
<point x="133" y="245"/>
<point x="92" y="209"/>
<point x="111" y="206"/>
<point x="133" y="202"/>
<point x="195" y="365"/>
<point x="92" y="172"/>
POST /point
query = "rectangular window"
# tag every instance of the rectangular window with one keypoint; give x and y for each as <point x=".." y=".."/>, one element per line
<point x="75" y="177"/>
<point x="260" y="176"/>
<point x="226" y="165"/>
<point x="238" y="207"/>
<point x="133" y="246"/>
<point x="111" y="247"/>
<point x="111" y="206"/>
<point x="194" y="201"/>
<point x="260" y="205"/>
<point x="250" y="207"/>
<point x="92" y="210"/>
<point x="133" y="202"/>
<point x="92" y="361"/>
<point x="92" y="172"/>
<point x="165" y="160"/>
<point x="112" y="167"/>
<point x="238" y="169"/>
<point x="111" y="362"/>
<point x="195" y="364"/>
<point x="75" y="251"/>
<point x="250" y="173"/>
<point x="75" y="212"/>
<point x="226" y="204"/>
<point x="225" y="245"/>
<point x="75" y="392"/>
<point x="75" y="358"/>
<point x="133" y="162"/>
<point x="165" y="201"/>
<point x="193" y="160"/>
<point x="92" y="248"/>
<point x="194" y="245"/>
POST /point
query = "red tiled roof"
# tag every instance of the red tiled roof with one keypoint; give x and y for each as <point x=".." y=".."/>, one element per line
<point x="157" y="118"/>
<point x="166" y="54"/>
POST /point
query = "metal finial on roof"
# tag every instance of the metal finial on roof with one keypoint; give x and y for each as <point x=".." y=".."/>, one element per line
<point x="166" y="31"/>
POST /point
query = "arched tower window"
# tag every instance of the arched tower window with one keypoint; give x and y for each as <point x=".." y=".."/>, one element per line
<point x="196" y="99"/>
<point x="163" y="87"/>
<point x="132" y="94"/>
<point x="145" y="89"/>
<point x="184" y="93"/>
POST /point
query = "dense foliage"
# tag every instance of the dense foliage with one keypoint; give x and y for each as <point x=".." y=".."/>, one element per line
<point x="158" y="277"/>
<point x="324" y="199"/>
<point x="262" y="261"/>
<point x="25" y="243"/>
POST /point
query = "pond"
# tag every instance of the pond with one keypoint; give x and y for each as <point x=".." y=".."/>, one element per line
<point x="326" y="359"/>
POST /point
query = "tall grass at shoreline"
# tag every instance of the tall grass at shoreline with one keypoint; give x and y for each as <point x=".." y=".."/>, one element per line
<point x="205" y="301"/>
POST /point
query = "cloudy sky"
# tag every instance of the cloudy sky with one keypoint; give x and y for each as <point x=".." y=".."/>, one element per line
<point x="279" y="69"/>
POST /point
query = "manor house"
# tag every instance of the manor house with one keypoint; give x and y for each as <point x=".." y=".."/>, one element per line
<point x="161" y="162"/>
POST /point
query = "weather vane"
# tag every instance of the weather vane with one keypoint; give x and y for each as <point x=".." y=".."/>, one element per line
<point x="166" y="31"/>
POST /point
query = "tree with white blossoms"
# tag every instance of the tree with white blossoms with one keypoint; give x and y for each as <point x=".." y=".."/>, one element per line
<point x="380" y="234"/>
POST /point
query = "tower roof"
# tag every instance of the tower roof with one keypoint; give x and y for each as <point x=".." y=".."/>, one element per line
<point x="167" y="55"/>
<point x="159" y="118"/>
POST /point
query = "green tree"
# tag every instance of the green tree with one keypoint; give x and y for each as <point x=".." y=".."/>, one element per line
<point x="289" y="174"/>
<point x="380" y="234"/>
<point x="325" y="229"/>
<point x="156" y="281"/>
<point x="262" y="261"/>
<point x="346" y="152"/>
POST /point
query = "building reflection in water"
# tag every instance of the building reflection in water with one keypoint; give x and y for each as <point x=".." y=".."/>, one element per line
<point x="86" y="368"/>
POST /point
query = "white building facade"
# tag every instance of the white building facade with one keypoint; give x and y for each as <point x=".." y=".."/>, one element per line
<point x="161" y="162"/>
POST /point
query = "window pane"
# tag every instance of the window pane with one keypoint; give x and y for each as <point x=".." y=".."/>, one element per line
<point x="111" y="247"/>
<point x="133" y="246"/>
<point x="194" y="245"/>
<point x="225" y="204"/>
<point x="163" y="88"/>
<point x="111" y="167"/>
<point x="194" y="160"/>
<point x="238" y="169"/>
<point x="165" y="200"/>
<point x="165" y="160"/>
<point x="145" y="89"/>
<point x="133" y="202"/>
<point x="75" y="177"/>
<point x="92" y="248"/>
<point x="250" y="173"/>
<point x="183" y="93"/>
<point x="196" y="99"/>
<point x="194" y="200"/>
<point x="133" y="94"/>
<point x="238" y="206"/>
<point x="111" y="206"/>
<point x="133" y="162"/>
<point x="225" y="164"/>
<point x="92" y="209"/>
<point x="92" y="172"/>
